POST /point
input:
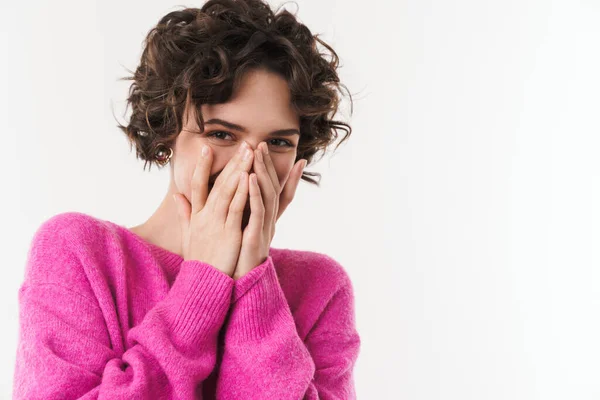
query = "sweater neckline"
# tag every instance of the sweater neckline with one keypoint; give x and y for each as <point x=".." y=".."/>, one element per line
<point x="166" y="257"/>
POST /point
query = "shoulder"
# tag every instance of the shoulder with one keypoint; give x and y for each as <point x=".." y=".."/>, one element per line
<point x="69" y="226"/>
<point x="315" y="283"/>
<point x="61" y="243"/>
<point x="310" y="268"/>
<point x="72" y="232"/>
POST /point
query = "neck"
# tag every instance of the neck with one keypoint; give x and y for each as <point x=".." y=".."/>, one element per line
<point x="162" y="228"/>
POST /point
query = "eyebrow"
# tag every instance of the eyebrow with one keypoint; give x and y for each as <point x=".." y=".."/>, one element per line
<point x="231" y="125"/>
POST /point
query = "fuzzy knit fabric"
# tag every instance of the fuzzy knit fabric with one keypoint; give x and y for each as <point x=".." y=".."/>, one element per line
<point x="105" y="314"/>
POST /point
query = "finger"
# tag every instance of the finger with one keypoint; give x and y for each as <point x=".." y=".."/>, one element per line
<point x="183" y="210"/>
<point x="224" y="193"/>
<point x="274" y="178"/>
<point x="257" y="208"/>
<point x="291" y="184"/>
<point x="236" y="208"/>
<point x="265" y="183"/>
<point x="231" y="167"/>
<point x="270" y="167"/>
<point x="200" y="180"/>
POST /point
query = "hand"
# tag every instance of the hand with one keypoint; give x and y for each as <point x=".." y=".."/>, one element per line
<point x="211" y="223"/>
<point x="268" y="200"/>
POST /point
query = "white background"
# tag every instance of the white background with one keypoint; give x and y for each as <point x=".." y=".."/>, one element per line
<point x="464" y="206"/>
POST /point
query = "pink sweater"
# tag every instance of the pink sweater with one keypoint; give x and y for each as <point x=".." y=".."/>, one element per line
<point x="105" y="314"/>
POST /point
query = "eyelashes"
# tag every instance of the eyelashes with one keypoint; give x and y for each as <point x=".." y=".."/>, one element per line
<point x="286" y="143"/>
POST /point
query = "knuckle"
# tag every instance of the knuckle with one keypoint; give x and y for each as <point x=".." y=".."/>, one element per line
<point x="234" y="211"/>
<point x="273" y="195"/>
<point x="236" y="204"/>
<point x="233" y="181"/>
<point x="197" y="176"/>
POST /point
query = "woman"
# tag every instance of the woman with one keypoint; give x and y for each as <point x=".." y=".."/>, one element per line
<point x="194" y="303"/>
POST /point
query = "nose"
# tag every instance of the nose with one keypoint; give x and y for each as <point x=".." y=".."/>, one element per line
<point x="252" y="143"/>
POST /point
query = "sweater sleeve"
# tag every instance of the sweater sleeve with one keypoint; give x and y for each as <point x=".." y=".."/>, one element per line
<point x="64" y="349"/>
<point x="264" y="357"/>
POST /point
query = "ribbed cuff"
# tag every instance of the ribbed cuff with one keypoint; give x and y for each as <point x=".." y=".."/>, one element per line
<point x="261" y="307"/>
<point x="242" y="285"/>
<point x="201" y="296"/>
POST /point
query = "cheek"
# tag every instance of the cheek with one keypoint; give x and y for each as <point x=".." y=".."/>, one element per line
<point x="283" y="166"/>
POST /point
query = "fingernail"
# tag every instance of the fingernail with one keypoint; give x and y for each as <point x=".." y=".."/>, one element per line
<point x="243" y="147"/>
<point x="246" y="154"/>
<point x="204" y="151"/>
<point x="265" y="149"/>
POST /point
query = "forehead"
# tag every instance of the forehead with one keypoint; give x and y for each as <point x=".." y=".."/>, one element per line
<point x="261" y="101"/>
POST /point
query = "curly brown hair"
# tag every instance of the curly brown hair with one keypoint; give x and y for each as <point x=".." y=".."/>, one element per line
<point x="198" y="56"/>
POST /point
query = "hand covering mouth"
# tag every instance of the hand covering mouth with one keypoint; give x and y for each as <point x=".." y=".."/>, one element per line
<point x="211" y="183"/>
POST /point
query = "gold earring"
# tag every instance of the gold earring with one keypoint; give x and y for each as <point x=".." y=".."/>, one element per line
<point x="163" y="154"/>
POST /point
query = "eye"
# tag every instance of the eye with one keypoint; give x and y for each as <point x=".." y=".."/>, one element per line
<point x="221" y="135"/>
<point x="285" y="143"/>
<point x="218" y="134"/>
